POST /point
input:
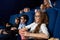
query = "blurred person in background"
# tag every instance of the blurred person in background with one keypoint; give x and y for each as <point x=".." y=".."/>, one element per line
<point x="26" y="9"/>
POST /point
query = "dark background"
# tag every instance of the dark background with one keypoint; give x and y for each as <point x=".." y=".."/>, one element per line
<point x="10" y="7"/>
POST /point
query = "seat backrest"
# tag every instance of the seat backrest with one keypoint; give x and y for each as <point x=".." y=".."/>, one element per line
<point x="57" y="4"/>
<point x="56" y="33"/>
<point x="12" y="18"/>
<point x="2" y="27"/>
<point x="52" y="15"/>
<point x="31" y="17"/>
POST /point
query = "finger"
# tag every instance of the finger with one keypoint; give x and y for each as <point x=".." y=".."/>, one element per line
<point x="21" y="32"/>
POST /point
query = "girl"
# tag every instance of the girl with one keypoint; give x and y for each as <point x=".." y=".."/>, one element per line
<point x="38" y="29"/>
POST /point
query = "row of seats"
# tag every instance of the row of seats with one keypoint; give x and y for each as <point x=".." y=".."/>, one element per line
<point x="29" y="14"/>
<point x="54" y="20"/>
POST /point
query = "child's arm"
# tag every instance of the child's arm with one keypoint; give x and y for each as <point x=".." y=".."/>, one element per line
<point x="36" y="35"/>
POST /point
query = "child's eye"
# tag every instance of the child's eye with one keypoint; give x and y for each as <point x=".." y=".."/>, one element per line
<point x="37" y="16"/>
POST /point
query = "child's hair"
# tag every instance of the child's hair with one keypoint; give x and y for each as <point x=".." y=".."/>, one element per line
<point x="18" y="18"/>
<point x="4" y="24"/>
<point x="44" y="20"/>
<point x="25" y="17"/>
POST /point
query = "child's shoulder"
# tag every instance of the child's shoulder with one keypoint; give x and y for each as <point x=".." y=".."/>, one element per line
<point x="43" y="25"/>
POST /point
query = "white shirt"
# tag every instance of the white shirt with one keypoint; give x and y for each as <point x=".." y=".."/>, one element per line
<point x="43" y="28"/>
<point x="21" y="26"/>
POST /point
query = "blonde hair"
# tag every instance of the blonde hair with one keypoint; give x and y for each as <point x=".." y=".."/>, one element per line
<point x="44" y="20"/>
<point x="48" y="3"/>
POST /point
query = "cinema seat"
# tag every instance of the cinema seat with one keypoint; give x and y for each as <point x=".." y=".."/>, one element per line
<point x="56" y="33"/>
<point x="31" y="17"/>
<point x="52" y="15"/>
<point x="12" y="18"/>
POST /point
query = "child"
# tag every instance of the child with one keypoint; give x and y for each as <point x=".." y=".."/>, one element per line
<point x="17" y="20"/>
<point x="23" y="21"/>
<point x="38" y="29"/>
<point x="26" y="9"/>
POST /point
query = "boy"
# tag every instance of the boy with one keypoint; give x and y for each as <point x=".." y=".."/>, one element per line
<point x="23" y="21"/>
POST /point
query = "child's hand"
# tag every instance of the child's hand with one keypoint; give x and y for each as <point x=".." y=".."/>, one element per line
<point x="21" y="31"/>
<point x="13" y="28"/>
<point x="26" y="34"/>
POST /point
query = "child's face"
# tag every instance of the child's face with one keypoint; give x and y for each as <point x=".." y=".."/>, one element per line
<point x="37" y="17"/>
<point x="16" y="21"/>
<point x="26" y="9"/>
<point x="22" y="20"/>
<point x="42" y="6"/>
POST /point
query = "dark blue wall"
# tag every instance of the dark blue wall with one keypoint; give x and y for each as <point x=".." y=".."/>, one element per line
<point x="10" y="7"/>
<point x="7" y="7"/>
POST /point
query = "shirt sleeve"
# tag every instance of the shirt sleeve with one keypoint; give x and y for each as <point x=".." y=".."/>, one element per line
<point x="29" y="26"/>
<point x="44" y="29"/>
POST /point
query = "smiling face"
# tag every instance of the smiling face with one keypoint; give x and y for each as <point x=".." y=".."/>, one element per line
<point x="38" y="17"/>
<point x="23" y="20"/>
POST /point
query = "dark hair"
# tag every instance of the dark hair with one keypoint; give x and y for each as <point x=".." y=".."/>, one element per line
<point x="17" y="18"/>
<point x="4" y="23"/>
<point x="25" y="17"/>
